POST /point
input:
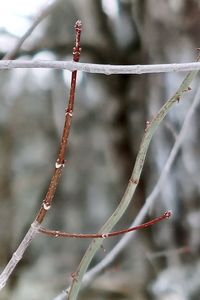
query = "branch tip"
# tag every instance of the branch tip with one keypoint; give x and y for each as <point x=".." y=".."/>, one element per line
<point x="168" y="214"/>
<point x="78" y="26"/>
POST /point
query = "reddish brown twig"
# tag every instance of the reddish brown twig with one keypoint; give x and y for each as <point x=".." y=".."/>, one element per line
<point x="55" y="233"/>
<point x="60" y="162"/>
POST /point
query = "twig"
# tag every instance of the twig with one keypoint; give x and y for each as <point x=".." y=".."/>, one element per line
<point x="57" y="233"/>
<point x="100" y="68"/>
<point x="60" y="162"/>
<point x="38" y="19"/>
<point x="17" y="256"/>
<point x="149" y="131"/>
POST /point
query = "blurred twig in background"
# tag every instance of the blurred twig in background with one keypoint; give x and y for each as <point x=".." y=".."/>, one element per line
<point x="38" y="19"/>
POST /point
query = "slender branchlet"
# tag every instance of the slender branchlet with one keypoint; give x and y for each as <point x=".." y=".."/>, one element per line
<point x="60" y="162"/>
<point x="56" y="233"/>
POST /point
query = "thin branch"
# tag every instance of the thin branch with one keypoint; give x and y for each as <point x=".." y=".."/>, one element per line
<point x="18" y="254"/>
<point x="60" y="162"/>
<point x="57" y="233"/>
<point x="123" y="205"/>
<point x="56" y="175"/>
<point x="38" y="19"/>
<point x="100" y="68"/>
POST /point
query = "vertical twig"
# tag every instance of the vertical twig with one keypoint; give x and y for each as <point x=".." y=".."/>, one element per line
<point x="17" y="256"/>
<point x="60" y="162"/>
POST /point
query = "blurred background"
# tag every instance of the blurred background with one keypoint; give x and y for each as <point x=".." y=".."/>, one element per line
<point x="110" y="116"/>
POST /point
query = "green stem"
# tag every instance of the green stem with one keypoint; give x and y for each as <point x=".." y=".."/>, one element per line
<point x="133" y="182"/>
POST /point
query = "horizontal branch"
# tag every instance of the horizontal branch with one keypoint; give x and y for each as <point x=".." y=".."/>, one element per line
<point x="99" y="68"/>
<point x="56" y="233"/>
